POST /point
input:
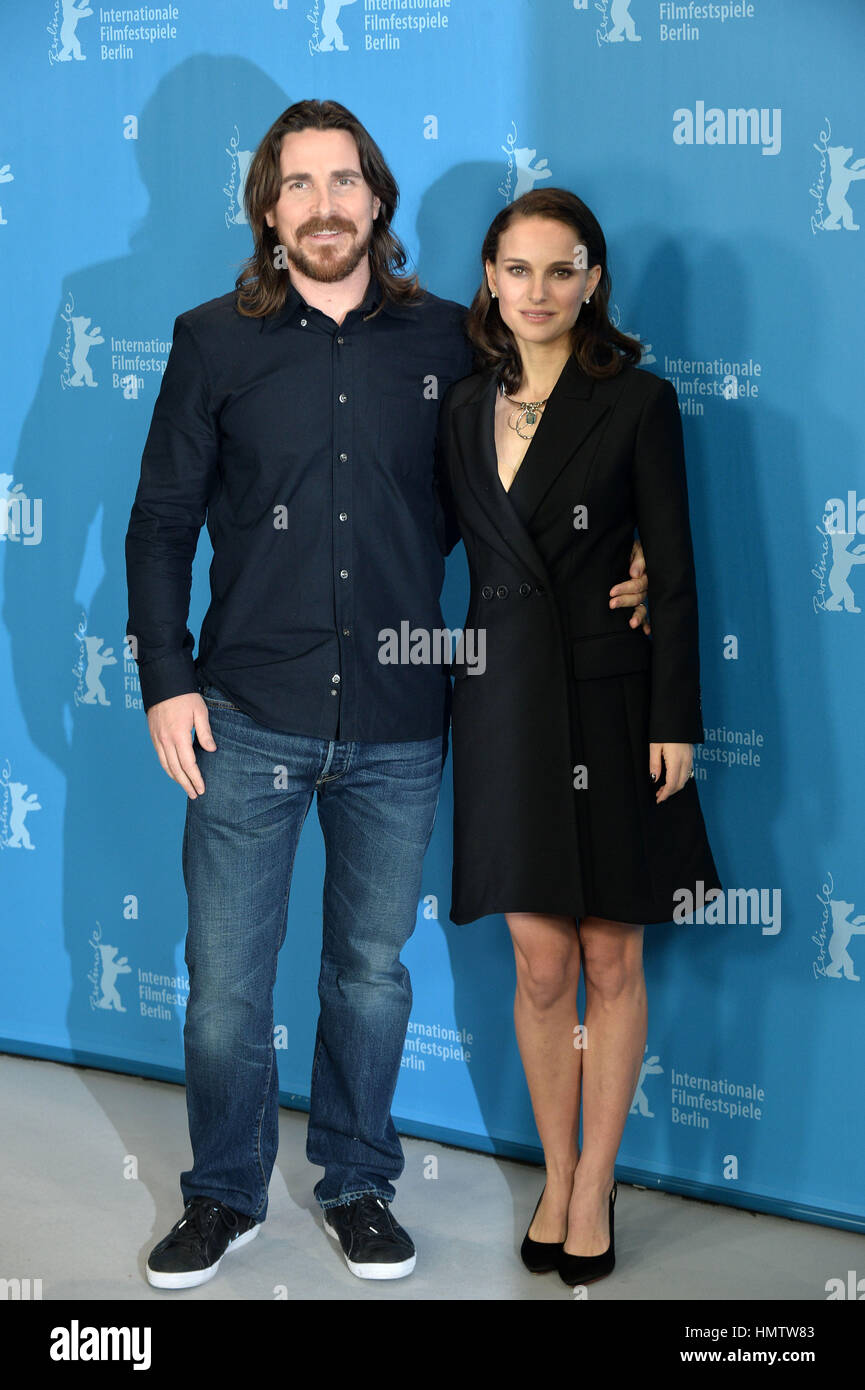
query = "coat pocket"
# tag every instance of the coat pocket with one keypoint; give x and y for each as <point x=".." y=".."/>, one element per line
<point x="611" y="654"/>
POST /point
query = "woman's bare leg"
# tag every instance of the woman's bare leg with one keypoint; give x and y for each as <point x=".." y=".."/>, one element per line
<point x="616" y="1022"/>
<point x="547" y="954"/>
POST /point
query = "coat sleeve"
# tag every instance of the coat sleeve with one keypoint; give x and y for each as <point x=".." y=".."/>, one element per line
<point x="177" y="471"/>
<point x="661" y="496"/>
<point x="447" y="527"/>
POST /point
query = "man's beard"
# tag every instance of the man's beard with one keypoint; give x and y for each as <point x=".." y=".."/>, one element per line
<point x="329" y="266"/>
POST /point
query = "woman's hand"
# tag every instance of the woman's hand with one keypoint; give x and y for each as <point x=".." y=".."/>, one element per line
<point x="678" y="759"/>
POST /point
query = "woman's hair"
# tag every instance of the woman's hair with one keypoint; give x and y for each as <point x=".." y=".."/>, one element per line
<point x="600" y="349"/>
<point x="261" y="287"/>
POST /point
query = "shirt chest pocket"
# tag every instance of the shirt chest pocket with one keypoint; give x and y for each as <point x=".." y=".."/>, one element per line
<point x="406" y="435"/>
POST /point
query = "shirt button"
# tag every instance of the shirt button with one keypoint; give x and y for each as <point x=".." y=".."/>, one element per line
<point x="343" y="458"/>
<point x="303" y="323"/>
<point x="343" y="574"/>
<point x="346" y="632"/>
<point x="487" y="591"/>
<point x="343" y="398"/>
<point x="502" y="591"/>
<point x="335" y="680"/>
<point x="340" y="341"/>
<point x="343" y="516"/>
<point x="525" y="589"/>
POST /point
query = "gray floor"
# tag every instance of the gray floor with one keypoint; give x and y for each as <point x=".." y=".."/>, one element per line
<point x="71" y="1216"/>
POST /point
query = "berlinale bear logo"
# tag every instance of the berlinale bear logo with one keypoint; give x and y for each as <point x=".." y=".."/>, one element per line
<point x="67" y="44"/>
<point x="842" y="175"/>
<point x="329" y="35"/>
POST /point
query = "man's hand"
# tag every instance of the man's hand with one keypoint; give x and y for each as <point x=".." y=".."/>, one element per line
<point x="678" y="761"/>
<point x="171" y="723"/>
<point x="633" y="592"/>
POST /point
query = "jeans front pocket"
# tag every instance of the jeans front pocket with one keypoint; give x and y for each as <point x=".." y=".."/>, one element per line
<point x="215" y="698"/>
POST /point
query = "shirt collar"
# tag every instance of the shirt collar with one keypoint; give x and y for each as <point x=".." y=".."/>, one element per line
<point x="294" y="301"/>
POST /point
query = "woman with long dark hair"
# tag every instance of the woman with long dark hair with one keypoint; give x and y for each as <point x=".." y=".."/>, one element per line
<point x="576" y="812"/>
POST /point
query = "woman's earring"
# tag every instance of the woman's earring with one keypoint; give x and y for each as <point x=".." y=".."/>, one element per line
<point x="493" y="294"/>
<point x="588" y="299"/>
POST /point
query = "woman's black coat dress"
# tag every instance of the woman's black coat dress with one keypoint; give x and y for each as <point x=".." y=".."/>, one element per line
<point x="554" y="808"/>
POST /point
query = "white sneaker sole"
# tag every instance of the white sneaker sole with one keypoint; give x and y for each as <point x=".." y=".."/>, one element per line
<point x="190" y="1279"/>
<point x="373" y="1271"/>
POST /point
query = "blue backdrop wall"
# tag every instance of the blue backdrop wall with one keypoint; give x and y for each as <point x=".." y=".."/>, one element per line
<point x="721" y="146"/>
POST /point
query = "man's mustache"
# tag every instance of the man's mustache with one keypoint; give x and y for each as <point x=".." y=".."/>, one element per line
<point x="319" y="224"/>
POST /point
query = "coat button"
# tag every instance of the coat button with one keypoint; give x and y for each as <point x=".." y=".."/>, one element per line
<point x="539" y="589"/>
<point x="487" y="591"/>
<point x="525" y="589"/>
<point x="502" y="591"/>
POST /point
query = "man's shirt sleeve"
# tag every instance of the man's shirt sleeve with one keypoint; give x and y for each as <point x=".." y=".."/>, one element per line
<point x="446" y="524"/>
<point x="178" y="469"/>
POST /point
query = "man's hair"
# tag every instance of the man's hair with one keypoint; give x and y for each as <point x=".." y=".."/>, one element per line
<point x="261" y="287"/>
<point x="600" y="349"/>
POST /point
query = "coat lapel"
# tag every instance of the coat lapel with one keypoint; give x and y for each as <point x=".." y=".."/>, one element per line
<point x="473" y="423"/>
<point x="576" y="404"/>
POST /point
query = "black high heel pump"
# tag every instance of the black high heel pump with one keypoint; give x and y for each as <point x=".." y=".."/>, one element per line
<point x="585" y="1269"/>
<point x="540" y="1256"/>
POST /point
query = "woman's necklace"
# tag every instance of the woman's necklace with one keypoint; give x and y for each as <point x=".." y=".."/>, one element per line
<point x="529" y="410"/>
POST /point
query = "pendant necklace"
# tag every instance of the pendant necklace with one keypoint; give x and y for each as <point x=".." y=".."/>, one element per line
<point x="529" y="411"/>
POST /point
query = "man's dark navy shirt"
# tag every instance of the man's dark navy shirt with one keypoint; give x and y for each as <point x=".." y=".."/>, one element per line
<point x="309" y="449"/>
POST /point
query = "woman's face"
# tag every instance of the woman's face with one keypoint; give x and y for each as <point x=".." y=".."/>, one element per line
<point x="540" y="278"/>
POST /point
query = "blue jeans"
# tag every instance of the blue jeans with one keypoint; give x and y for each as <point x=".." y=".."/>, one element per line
<point x="376" y="806"/>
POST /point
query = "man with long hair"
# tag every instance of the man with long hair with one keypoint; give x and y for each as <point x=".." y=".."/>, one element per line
<point x="297" y="416"/>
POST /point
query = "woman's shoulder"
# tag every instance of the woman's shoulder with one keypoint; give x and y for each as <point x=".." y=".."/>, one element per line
<point x="467" y="388"/>
<point x="641" y="384"/>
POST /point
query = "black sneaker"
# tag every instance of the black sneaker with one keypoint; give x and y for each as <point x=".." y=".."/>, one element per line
<point x="191" y="1252"/>
<point x="375" y="1246"/>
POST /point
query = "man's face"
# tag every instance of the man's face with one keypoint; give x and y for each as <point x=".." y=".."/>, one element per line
<point x="325" y="211"/>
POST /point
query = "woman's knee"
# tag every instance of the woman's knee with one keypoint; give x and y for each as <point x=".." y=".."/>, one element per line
<point x="547" y="960"/>
<point x="612" y="956"/>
